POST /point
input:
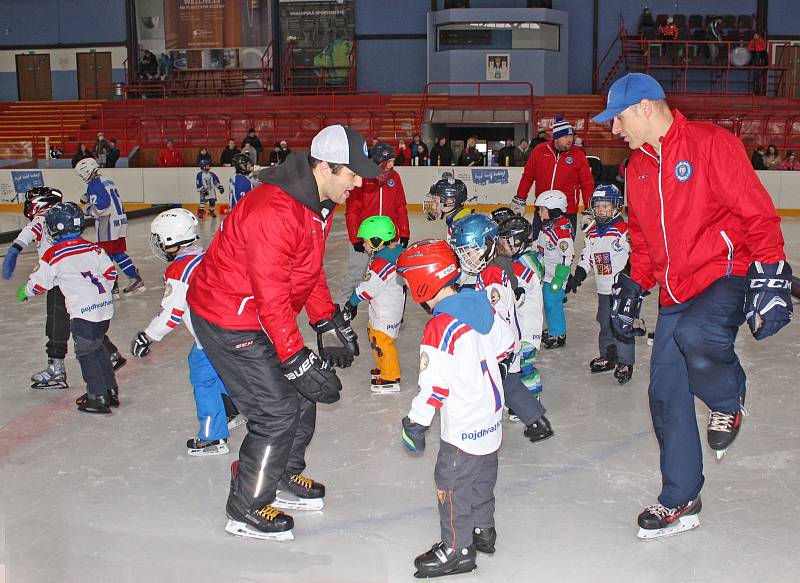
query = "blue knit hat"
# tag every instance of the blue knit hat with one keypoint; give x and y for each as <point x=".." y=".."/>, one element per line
<point x="561" y="128"/>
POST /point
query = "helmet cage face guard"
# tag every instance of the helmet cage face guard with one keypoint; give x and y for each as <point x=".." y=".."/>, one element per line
<point x="603" y="219"/>
<point x="159" y="247"/>
<point x="512" y="243"/>
<point x="437" y="207"/>
<point x="474" y="258"/>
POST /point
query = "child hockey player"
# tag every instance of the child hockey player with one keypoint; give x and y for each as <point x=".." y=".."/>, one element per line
<point x="474" y="240"/>
<point x="386" y="297"/>
<point x="460" y="374"/>
<point x="513" y="241"/>
<point x="103" y="202"/>
<point x="605" y="253"/>
<point x="445" y="200"/>
<point x="240" y="183"/>
<point x="557" y="248"/>
<point x="37" y="201"/>
<point x="85" y="274"/>
<point x="173" y="238"/>
<point x="207" y="184"/>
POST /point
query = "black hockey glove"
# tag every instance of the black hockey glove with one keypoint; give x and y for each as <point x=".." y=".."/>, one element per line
<point x="312" y="378"/>
<point x="350" y="311"/>
<point x="404" y="242"/>
<point x="413" y="435"/>
<point x="504" y="365"/>
<point x="626" y="305"/>
<point x="140" y="346"/>
<point x="575" y="281"/>
<point x="768" y="300"/>
<point x="359" y="247"/>
<point x="336" y="341"/>
<point x="220" y="188"/>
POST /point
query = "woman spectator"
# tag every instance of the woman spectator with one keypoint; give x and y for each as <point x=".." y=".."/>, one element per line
<point x="403" y="154"/>
<point x="274" y="160"/>
<point x="203" y="157"/>
<point x="790" y="162"/>
<point x="81" y="153"/>
<point x="471" y="156"/>
<point x="772" y="158"/>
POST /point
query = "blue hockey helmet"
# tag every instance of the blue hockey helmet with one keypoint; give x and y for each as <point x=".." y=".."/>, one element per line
<point x="606" y="193"/>
<point x="62" y="219"/>
<point x="474" y="240"/>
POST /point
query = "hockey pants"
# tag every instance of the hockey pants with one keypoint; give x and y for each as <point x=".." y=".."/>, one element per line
<point x="465" y="492"/>
<point x="554" y="310"/>
<point x="57" y="326"/>
<point x="280" y="421"/>
<point x="623" y="351"/>
<point x="385" y="353"/>
<point x="693" y="356"/>
<point x="92" y="355"/>
<point x="208" y="391"/>
<point x="522" y="400"/>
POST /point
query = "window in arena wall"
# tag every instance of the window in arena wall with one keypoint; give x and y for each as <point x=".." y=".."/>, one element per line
<point x="499" y="36"/>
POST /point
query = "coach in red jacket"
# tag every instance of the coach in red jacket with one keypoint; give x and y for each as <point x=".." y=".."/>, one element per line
<point x="382" y="195"/>
<point x="263" y="266"/>
<point x="557" y="165"/>
<point x="705" y="230"/>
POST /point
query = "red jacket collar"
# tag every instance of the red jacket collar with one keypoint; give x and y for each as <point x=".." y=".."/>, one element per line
<point x="677" y="127"/>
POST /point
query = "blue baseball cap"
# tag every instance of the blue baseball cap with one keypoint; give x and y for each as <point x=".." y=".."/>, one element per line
<point x="629" y="90"/>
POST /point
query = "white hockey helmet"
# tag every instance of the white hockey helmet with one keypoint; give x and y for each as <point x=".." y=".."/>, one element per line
<point x="173" y="228"/>
<point x="552" y="199"/>
<point x="87" y="168"/>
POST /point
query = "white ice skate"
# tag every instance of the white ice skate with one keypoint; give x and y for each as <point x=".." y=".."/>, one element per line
<point x="197" y="447"/>
<point x="658" y="521"/>
<point x="682" y="524"/>
<point x="53" y="377"/>
<point x="380" y="386"/>
<point x="285" y="500"/>
<point x="244" y="530"/>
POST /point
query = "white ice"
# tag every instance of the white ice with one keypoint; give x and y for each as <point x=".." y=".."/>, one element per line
<point x="91" y="499"/>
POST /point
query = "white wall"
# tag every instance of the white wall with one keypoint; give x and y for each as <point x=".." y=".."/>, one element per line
<point x="170" y="185"/>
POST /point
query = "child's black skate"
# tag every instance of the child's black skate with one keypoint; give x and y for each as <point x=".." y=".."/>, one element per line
<point x="551" y="342"/>
<point x="265" y="523"/>
<point x="95" y="404"/>
<point x="601" y="364"/>
<point x="118" y="361"/>
<point x="723" y="429"/>
<point x="381" y="386"/>
<point x="136" y="286"/>
<point x="658" y="521"/>
<point x="483" y="539"/>
<point x="202" y="447"/>
<point x="296" y="492"/>
<point x="623" y="373"/>
<point x="113" y="398"/>
<point x="53" y="377"/>
<point x="441" y="561"/>
<point x="539" y="430"/>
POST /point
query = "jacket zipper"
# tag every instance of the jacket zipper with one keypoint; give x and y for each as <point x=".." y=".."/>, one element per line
<point x="729" y="268"/>
<point x="380" y="200"/>
<point x="555" y="168"/>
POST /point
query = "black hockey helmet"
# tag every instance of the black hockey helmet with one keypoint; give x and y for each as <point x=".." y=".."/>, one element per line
<point x="502" y="213"/>
<point x="445" y="196"/>
<point x="64" y="218"/>
<point x="40" y="198"/>
<point x="515" y="234"/>
<point x="242" y="164"/>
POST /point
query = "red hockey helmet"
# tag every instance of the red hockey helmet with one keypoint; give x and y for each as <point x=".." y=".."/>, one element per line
<point x="427" y="267"/>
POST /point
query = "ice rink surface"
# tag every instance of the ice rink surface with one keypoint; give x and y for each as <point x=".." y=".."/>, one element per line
<point x="95" y="498"/>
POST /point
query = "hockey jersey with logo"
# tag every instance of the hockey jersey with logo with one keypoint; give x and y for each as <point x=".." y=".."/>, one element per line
<point x="174" y="308"/>
<point x="207" y="184"/>
<point x="34" y="231"/>
<point x="529" y="271"/>
<point x="85" y="275"/>
<point x="606" y="254"/>
<point x="106" y="206"/>
<point x="556" y="246"/>
<point x="384" y="292"/>
<point x="238" y="186"/>
<point x="459" y="373"/>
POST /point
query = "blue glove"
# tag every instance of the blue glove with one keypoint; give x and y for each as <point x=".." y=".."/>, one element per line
<point x="626" y="305"/>
<point x="768" y="301"/>
<point x="413" y="435"/>
<point x="10" y="262"/>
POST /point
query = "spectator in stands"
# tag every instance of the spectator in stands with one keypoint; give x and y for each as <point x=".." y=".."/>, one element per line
<point x="252" y="139"/>
<point x="170" y="156"/>
<point x="403" y="154"/>
<point x="203" y="157"/>
<point x="541" y="137"/>
<point x="772" y="158"/>
<point x="790" y="162"/>
<point x="164" y="65"/>
<point x="758" y="48"/>
<point x="273" y="156"/>
<point x="226" y="157"/>
<point x="578" y="142"/>
<point x="714" y="34"/>
<point x="646" y="23"/>
<point x="55" y="153"/>
<point x="669" y="32"/>
<point x="471" y="156"/>
<point x="441" y="154"/>
<point x="81" y="153"/>
<point x="522" y="153"/>
<point x="757" y="160"/>
<point x="372" y="147"/>
<point x="284" y="151"/>
<point x="250" y="152"/>
<point x="148" y="66"/>
<point x="505" y="155"/>
<point x="419" y="152"/>
<point x="113" y="154"/>
<point x="101" y="149"/>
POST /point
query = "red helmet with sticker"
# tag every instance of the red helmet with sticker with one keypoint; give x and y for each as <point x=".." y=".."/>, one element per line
<point x="428" y="266"/>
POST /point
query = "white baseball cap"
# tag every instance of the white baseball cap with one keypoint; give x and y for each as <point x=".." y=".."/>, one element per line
<point x="340" y="144"/>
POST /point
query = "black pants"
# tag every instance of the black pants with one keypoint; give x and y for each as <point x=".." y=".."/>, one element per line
<point x="280" y="421"/>
<point x="91" y="352"/>
<point x="536" y="225"/>
<point x="622" y="351"/>
<point x="56" y="327"/>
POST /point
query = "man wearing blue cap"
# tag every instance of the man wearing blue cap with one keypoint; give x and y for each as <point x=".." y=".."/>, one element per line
<point x="705" y="230"/>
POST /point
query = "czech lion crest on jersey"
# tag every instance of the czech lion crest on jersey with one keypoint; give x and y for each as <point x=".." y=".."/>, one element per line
<point x="494" y="296"/>
<point x="424" y="360"/>
<point x="563" y="246"/>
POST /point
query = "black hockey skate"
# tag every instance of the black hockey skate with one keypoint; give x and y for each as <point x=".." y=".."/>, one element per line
<point x="95" y="404"/>
<point x="551" y="342"/>
<point x="539" y="430"/>
<point x="53" y="377"/>
<point x="483" y="539"/>
<point x="265" y="523"/>
<point x="296" y="492"/>
<point x="202" y="447"/>
<point x="441" y="561"/>
<point x="623" y="373"/>
<point x="658" y="521"/>
<point x="601" y="364"/>
<point x="723" y="429"/>
<point x="118" y="361"/>
<point x="113" y="398"/>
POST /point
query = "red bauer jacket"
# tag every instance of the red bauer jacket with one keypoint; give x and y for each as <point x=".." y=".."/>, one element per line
<point x="697" y="211"/>
<point x="264" y="264"/>
<point x="567" y="171"/>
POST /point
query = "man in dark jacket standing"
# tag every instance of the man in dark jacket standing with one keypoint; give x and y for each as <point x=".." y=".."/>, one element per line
<point x="705" y="230"/>
<point x="441" y="154"/>
<point x="265" y="265"/>
<point x="252" y="139"/>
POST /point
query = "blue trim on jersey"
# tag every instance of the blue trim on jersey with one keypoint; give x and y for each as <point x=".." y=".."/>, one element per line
<point x="187" y="271"/>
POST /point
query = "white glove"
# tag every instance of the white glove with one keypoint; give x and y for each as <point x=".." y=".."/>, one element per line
<point x="518" y="205"/>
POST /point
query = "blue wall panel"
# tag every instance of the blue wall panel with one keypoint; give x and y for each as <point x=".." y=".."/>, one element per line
<point x="400" y="17"/>
<point x="392" y="66"/>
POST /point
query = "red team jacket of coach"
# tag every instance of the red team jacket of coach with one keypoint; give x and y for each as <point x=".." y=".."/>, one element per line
<point x="698" y="212"/>
<point x="568" y="172"/>
<point x="264" y="264"/>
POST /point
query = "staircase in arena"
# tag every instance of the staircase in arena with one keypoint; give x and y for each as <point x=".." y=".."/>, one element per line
<point x="25" y="124"/>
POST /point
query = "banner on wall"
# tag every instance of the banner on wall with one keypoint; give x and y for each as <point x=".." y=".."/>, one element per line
<point x="15" y="183"/>
<point x="202" y="24"/>
<point x="498" y="67"/>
